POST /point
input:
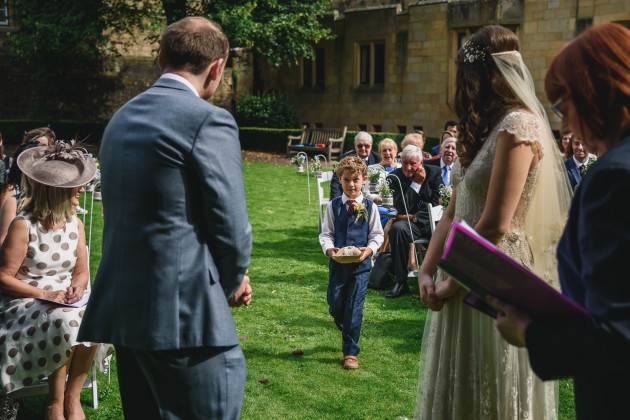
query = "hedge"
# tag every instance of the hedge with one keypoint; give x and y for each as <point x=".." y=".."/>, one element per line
<point x="252" y="138"/>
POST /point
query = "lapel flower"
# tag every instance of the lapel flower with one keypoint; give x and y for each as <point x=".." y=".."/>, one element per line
<point x="361" y="211"/>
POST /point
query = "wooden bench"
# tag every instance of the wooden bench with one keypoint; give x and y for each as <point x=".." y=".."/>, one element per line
<point x="332" y="140"/>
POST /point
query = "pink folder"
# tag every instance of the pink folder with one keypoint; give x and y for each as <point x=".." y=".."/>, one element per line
<point x="480" y="267"/>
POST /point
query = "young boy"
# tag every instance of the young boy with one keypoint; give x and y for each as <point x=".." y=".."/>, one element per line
<point x="350" y="220"/>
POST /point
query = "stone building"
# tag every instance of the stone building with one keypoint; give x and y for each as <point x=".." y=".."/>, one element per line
<point x="391" y="66"/>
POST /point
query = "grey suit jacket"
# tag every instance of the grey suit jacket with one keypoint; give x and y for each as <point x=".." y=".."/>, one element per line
<point x="176" y="237"/>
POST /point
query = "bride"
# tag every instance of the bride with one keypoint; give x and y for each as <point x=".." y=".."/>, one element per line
<point x="509" y="184"/>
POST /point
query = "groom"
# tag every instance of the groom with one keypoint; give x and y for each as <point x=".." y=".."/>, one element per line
<point x="176" y="239"/>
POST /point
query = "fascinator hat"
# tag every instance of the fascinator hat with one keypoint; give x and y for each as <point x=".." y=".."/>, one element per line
<point x="61" y="165"/>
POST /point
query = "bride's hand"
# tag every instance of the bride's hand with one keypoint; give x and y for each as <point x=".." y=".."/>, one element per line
<point x="447" y="288"/>
<point x="427" y="292"/>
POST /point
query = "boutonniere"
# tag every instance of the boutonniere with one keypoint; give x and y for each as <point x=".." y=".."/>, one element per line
<point x="361" y="212"/>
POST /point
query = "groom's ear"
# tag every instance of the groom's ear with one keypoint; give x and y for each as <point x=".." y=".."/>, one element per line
<point x="216" y="69"/>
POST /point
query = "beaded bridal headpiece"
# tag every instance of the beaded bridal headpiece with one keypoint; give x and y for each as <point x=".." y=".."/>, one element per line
<point x="474" y="54"/>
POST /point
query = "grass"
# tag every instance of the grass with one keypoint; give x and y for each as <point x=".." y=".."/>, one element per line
<point x="289" y="275"/>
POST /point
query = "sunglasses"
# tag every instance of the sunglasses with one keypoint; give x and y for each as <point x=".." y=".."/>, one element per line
<point x="555" y="108"/>
<point x="363" y="146"/>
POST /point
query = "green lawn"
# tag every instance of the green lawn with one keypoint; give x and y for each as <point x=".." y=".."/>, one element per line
<point x="289" y="276"/>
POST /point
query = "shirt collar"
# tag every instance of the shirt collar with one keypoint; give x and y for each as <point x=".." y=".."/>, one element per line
<point x="578" y="163"/>
<point x="345" y="198"/>
<point x="180" y="79"/>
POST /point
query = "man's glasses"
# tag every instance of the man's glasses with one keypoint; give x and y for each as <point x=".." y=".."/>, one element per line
<point x="555" y="108"/>
<point x="363" y="146"/>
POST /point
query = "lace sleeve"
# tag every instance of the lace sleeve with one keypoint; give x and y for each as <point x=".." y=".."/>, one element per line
<point x="523" y="124"/>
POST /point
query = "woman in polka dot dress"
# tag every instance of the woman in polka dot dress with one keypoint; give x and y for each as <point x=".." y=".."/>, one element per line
<point x="44" y="257"/>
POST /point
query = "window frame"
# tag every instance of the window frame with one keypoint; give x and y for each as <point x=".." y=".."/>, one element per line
<point x="313" y="74"/>
<point x="4" y="5"/>
<point x="370" y="61"/>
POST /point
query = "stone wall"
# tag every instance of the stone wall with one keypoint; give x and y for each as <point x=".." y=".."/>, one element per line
<point x="421" y="41"/>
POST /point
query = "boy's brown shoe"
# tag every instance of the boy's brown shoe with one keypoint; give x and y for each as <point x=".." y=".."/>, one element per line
<point x="350" y="362"/>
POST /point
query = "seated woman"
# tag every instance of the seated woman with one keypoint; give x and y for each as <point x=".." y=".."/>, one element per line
<point x="13" y="191"/>
<point x="44" y="267"/>
<point x="388" y="150"/>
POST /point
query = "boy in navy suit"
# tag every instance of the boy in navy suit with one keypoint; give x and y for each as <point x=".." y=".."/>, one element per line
<point x="350" y="220"/>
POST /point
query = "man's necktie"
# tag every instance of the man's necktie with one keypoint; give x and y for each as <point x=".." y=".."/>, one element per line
<point x="445" y="171"/>
<point x="352" y="206"/>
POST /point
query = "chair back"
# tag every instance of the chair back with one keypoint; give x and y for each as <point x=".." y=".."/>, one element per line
<point x="322" y="201"/>
<point x="435" y="214"/>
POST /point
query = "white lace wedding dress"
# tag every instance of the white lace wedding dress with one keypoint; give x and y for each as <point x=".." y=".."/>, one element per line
<point x="467" y="371"/>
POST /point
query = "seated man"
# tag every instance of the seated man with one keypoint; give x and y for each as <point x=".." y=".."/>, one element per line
<point x="420" y="185"/>
<point x="446" y="158"/>
<point x="362" y="149"/>
<point x="450" y="130"/>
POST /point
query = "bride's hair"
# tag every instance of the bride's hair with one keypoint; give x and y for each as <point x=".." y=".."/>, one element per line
<point x="482" y="94"/>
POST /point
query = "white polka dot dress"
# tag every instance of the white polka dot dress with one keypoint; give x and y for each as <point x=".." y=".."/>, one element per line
<point x="36" y="337"/>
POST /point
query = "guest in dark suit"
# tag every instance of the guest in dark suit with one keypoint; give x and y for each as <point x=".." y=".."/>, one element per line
<point x="589" y="84"/>
<point x="176" y="239"/>
<point x="420" y="185"/>
<point x="578" y="163"/>
<point x="363" y="149"/>
<point x="447" y="156"/>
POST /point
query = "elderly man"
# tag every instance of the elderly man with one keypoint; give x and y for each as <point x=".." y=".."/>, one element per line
<point x="362" y="149"/>
<point x="414" y="186"/>
<point x="450" y="126"/>
<point x="448" y="155"/>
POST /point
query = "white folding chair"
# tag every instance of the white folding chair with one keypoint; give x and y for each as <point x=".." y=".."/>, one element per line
<point x="322" y="201"/>
<point x="435" y="214"/>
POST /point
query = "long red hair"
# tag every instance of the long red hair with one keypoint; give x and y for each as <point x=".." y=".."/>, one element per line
<point x="593" y="71"/>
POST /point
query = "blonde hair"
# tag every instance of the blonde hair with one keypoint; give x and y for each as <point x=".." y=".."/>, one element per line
<point x="352" y="164"/>
<point x="388" y="142"/>
<point x="49" y="205"/>
<point x="416" y="139"/>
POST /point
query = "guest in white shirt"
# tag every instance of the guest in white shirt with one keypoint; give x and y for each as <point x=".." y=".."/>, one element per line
<point x="448" y="155"/>
<point x="578" y="164"/>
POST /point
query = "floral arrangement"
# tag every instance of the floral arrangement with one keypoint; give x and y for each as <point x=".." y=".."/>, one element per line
<point x="374" y="175"/>
<point x="298" y="160"/>
<point x="385" y="190"/>
<point x="316" y="165"/>
<point x="445" y="194"/>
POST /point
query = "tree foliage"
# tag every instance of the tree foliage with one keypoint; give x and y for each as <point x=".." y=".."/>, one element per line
<point x="283" y="31"/>
<point x="53" y="32"/>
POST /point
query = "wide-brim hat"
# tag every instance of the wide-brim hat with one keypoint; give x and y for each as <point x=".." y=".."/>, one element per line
<point x="60" y="166"/>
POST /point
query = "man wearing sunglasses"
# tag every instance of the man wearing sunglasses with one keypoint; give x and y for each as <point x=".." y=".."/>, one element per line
<point x="362" y="149"/>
